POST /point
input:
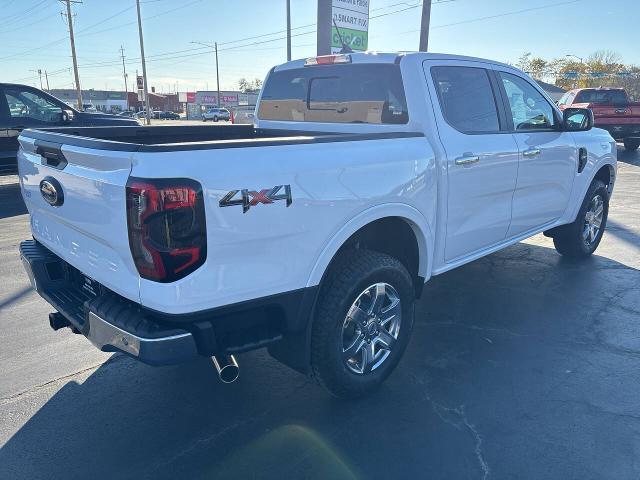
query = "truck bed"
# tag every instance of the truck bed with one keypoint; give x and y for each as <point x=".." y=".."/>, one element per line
<point x="189" y="137"/>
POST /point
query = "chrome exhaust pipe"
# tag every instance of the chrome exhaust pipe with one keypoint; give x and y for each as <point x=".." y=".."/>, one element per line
<point x="227" y="367"/>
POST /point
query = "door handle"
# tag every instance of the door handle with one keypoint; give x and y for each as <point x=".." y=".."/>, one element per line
<point x="467" y="160"/>
<point x="532" y="152"/>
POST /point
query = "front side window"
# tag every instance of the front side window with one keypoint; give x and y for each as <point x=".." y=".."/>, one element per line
<point x="466" y="98"/>
<point x="27" y="105"/>
<point x="529" y="109"/>
<point x="566" y="99"/>
<point x="352" y="93"/>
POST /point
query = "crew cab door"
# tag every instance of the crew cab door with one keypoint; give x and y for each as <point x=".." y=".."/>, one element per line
<point x="23" y="107"/>
<point x="548" y="155"/>
<point x="8" y="138"/>
<point x="482" y="156"/>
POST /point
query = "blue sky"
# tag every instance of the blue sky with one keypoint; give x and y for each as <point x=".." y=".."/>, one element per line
<point x="33" y="35"/>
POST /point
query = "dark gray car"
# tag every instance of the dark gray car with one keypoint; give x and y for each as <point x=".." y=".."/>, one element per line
<point x="22" y="106"/>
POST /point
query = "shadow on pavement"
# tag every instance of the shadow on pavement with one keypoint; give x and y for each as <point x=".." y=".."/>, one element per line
<point x="632" y="158"/>
<point x="623" y="233"/>
<point x="521" y="365"/>
<point x="11" y="203"/>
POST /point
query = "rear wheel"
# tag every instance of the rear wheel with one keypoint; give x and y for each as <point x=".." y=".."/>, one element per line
<point x="215" y="118"/>
<point x="581" y="238"/>
<point x="631" y="145"/>
<point x="204" y="119"/>
<point x="363" y="322"/>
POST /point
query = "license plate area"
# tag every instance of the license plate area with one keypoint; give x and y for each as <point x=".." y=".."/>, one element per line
<point x="88" y="285"/>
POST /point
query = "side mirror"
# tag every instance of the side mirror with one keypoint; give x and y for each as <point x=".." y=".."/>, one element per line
<point x="577" y="119"/>
<point x="67" y="116"/>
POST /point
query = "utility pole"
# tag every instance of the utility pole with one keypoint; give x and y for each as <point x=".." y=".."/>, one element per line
<point x="288" y="30"/>
<point x="47" y="77"/>
<point x="424" y="25"/>
<point x="215" y="47"/>
<point x="323" y="29"/>
<point x="39" y="72"/>
<point x="124" y="73"/>
<point x="144" y="68"/>
<point x="217" y="73"/>
<point x="73" y="51"/>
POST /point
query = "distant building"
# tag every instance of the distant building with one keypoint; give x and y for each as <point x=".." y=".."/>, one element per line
<point x="199" y="102"/>
<point x="194" y="103"/>
<point x="553" y="91"/>
<point x="103" y="100"/>
<point x="165" y="102"/>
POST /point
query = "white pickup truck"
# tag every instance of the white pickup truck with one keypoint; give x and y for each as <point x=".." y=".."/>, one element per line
<point x="313" y="232"/>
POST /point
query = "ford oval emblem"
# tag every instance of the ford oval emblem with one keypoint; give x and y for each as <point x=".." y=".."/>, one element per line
<point x="51" y="191"/>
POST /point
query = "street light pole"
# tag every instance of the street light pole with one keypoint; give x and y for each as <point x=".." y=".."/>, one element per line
<point x="575" y="56"/>
<point x="424" y="25"/>
<point x="575" y="83"/>
<point x="144" y="68"/>
<point x="215" y="47"/>
<point x="288" y="30"/>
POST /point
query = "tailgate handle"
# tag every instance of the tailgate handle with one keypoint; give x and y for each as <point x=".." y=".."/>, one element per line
<point x="51" y="154"/>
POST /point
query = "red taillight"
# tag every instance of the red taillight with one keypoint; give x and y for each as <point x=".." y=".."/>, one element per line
<point x="167" y="230"/>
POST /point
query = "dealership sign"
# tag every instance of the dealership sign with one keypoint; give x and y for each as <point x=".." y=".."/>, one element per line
<point x="352" y="19"/>
<point x="224" y="99"/>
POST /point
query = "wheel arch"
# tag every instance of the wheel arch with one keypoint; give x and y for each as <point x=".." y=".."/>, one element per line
<point x="605" y="172"/>
<point x="399" y="230"/>
<point x="294" y="350"/>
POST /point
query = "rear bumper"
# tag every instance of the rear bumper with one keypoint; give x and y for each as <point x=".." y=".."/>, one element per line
<point x="114" y="323"/>
<point x="109" y="321"/>
<point x="621" y="131"/>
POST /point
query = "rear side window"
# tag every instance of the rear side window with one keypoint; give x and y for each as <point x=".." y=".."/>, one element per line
<point x="607" y="97"/>
<point x="354" y="93"/>
<point x="466" y="98"/>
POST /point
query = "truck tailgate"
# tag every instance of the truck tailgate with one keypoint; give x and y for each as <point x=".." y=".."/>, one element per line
<point x="613" y="114"/>
<point x="88" y="226"/>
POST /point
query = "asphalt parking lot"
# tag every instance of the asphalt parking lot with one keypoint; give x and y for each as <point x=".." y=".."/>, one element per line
<point x="522" y="365"/>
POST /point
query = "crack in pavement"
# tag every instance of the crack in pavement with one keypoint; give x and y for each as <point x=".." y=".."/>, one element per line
<point x="460" y="415"/>
<point x="35" y="388"/>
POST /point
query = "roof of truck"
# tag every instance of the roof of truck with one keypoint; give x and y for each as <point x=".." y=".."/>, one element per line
<point x="392" y="57"/>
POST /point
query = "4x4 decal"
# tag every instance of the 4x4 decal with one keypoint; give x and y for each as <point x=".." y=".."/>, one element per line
<point x="251" y="198"/>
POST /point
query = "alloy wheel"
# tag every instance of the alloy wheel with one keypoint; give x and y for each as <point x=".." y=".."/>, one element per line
<point x="593" y="220"/>
<point x="371" y="327"/>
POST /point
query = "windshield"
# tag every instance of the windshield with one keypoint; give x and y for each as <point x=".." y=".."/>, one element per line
<point x="364" y="93"/>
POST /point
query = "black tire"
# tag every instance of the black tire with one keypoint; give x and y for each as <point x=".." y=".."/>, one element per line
<point x="569" y="240"/>
<point x="215" y="119"/>
<point x="631" y="145"/>
<point x="351" y="274"/>
<point x="204" y="119"/>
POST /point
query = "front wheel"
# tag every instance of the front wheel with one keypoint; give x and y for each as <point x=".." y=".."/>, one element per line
<point x="631" y="145"/>
<point x="204" y="118"/>
<point x="581" y="238"/>
<point x="215" y="119"/>
<point x="363" y="322"/>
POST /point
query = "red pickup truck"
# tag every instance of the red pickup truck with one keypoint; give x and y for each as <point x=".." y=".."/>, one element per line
<point x="612" y="111"/>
